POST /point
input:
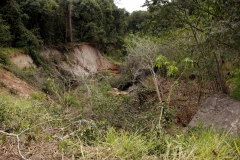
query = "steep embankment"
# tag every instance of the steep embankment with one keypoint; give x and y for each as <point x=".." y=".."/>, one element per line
<point x="21" y="59"/>
<point x="14" y="85"/>
<point x="82" y="60"/>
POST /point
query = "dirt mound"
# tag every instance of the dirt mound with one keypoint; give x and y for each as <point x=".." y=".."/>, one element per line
<point x="83" y="60"/>
<point x="15" y="85"/>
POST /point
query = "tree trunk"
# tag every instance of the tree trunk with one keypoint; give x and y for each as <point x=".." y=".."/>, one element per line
<point x="220" y="77"/>
<point x="69" y="35"/>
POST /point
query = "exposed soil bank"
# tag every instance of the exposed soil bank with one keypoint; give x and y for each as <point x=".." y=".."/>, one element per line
<point x="82" y="60"/>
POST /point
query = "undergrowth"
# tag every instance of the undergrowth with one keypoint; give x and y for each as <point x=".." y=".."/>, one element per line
<point x="235" y="81"/>
<point x="5" y="54"/>
<point x="106" y="126"/>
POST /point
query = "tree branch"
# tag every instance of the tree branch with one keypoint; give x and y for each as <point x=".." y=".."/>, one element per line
<point x="18" y="142"/>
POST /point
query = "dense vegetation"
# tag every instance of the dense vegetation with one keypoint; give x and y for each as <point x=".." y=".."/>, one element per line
<point x="211" y="29"/>
<point x="46" y="22"/>
<point x="193" y="43"/>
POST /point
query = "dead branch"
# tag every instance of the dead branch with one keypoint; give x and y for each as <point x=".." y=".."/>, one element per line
<point x="18" y="142"/>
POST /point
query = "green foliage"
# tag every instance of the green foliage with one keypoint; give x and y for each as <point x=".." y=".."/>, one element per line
<point x="235" y="81"/>
<point x="137" y="21"/>
<point x="126" y="145"/>
<point x="70" y="100"/>
<point x="21" y="36"/>
<point x="32" y="23"/>
<point x="27" y="39"/>
<point x="236" y="92"/>
<point x="170" y="65"/>
<point x="6" y="53"/>
<point x="109" y="107"/>
<point x="18" y="115"/>
<point x="5" y="34"/>
<point x="34" y="54"/>
<point x="100" y="23"/>
<point x="37" y="96"/>
<point x="119" y="110"/>
<point x="54" y="89"/>
<point x="3" y="57"/>
<point x="187" y="146"/>
<point x="203" y="32"/>
<point x="118" y="130"/>
<point x="45" y="19"/>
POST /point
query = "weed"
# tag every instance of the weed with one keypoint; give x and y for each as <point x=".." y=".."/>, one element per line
<point x="37" y="96"/>
<point x="13" y="91"/>
<point x="4" y="58"/>
<point x="30" y="68"/>
<point x="119" y="131"/>
<point x="70" y="100"/>
<point x="235" y="80"/>
<point x="127" y="146"/>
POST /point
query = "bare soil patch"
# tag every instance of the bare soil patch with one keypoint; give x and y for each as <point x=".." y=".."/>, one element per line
<point x="82" y="60"/>
<point x="22" y="60"/>
<point x="10" y="82"/>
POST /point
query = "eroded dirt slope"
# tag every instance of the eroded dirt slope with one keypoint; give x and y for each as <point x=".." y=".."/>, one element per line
<point x="82" y="60"/>
<point x="22" y="60"/>
<point x="11" y="83"/>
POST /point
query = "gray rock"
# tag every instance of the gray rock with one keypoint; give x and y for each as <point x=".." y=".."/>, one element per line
<point x="220" y="111"/>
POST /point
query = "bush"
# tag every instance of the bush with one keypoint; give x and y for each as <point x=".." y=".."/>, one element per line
<point x="37" y="96"/>
<point x="141" y="52"/>
<point x="235" y="81"/>
<point x="4" y="58"/>
<point x="236" y="91"/>
<point x="70" y="100"/>
<point x="5" y="34"/>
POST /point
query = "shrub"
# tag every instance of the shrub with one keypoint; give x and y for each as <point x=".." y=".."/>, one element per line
<point x="235" y="81"/>
<point x="5" y="34"/>
<point x="236" y="91"/>
<point x="70" y="100"/>
<point x="37" y="96"/>
<point x="4" y="58"/>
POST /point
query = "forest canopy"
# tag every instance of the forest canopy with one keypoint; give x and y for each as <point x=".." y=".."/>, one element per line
<point x="46" y="22"/>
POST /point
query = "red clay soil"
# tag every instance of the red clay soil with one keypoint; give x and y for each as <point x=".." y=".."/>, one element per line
<point x="10" y="82"/>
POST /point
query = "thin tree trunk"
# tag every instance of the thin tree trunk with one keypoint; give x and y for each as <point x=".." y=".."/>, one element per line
<point x="220" y="77"/>
<point x="69" y="35"/>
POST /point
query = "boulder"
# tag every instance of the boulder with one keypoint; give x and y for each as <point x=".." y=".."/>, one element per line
<point x="220" y="111"/>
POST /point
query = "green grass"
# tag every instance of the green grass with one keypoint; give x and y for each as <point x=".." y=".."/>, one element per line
<point x="235" y="82"/>
<point x="10" y="51"/>
<point x="127" y="145"/>
<point x="18" y="114"/>
<point x="107" y="126"/>
<point x="236" y="91"/>
<point x="5" y="54"/>
<point x="202" y="143"/>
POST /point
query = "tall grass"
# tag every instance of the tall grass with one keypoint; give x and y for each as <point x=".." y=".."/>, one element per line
<point x="79" y="137"/>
